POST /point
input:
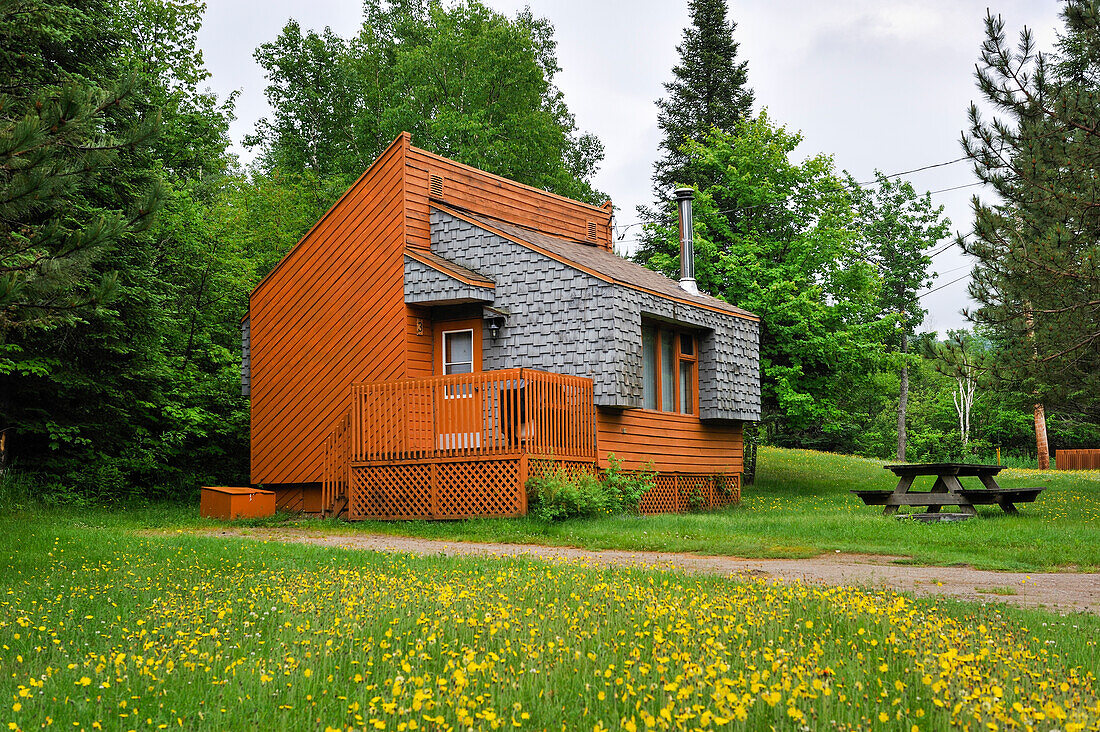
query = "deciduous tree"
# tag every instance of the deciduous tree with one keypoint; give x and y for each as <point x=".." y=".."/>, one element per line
<point x="898" y="228"/>
<point x="779" y="239"/>
<point x="467" y="82"/>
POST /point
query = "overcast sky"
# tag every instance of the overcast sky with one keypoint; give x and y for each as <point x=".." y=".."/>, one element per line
<point x="874" y="83"/>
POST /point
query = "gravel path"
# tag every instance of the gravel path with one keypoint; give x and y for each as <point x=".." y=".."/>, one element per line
<point x="1060" y="591"/>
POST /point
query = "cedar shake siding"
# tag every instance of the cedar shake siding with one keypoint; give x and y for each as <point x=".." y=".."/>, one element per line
<point x="569" y="321"/>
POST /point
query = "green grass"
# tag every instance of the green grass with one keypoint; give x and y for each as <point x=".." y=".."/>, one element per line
<point x="1004" y="591"/>
<point x="801" y="506"/>
<point x="104" y="628"/>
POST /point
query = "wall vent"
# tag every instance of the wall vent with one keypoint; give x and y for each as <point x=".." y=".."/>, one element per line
<point x="592" y="231"/>
<point x="435" y="186"/>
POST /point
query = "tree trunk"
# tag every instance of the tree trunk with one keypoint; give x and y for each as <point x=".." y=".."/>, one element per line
<point x="1042" y="448"/>
<point x="903" y="399"/>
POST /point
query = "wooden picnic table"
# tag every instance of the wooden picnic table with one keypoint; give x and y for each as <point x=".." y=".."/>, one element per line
<point x="947" y="489"/>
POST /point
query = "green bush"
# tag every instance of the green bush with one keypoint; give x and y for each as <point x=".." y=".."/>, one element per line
<point x="625" y="490"/>
<point x="556" y="496"/>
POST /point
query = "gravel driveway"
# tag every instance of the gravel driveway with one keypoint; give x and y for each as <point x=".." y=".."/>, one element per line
<point x="1057" y="591"/>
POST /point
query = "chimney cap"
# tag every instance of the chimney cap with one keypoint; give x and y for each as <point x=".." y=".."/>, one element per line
<point x="681" y="193"/>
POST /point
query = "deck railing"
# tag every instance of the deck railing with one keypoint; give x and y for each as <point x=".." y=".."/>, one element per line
<point x="334" y="480"/>
<point x="469" y="415"/>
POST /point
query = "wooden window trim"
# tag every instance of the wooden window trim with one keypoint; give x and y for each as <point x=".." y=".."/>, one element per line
<point x="678" y="357"/>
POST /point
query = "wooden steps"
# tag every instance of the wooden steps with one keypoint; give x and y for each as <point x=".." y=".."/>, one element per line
<point x="338" y="508"/>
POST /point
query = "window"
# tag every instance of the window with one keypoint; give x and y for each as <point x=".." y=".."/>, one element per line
<point x="650" y="361"/>
<point x="687" y="361"/>
<point x="458" y="351"/>
<point x="669" y="370"/>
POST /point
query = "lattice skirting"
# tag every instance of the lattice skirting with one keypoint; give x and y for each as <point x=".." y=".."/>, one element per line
<point x="438" y="490"/>
<point x="573" y="469"/>
<point x="463" y="488"/>
<point x="675" y="493"/>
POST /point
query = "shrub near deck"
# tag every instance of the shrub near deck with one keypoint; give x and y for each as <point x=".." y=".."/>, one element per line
<point x="143" y="632"/>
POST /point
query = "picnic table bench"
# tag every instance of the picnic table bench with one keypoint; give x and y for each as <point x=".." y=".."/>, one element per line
<point x="947" y="490"/>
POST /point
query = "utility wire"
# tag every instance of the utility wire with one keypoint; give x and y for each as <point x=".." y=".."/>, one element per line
<point x="946" y="284"/>
<point x="955" y="188"/>
<point x="622" y="228"/>
<point x="917" y="170"/>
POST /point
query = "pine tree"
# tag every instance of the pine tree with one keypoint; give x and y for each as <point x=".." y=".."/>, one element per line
<point x="56" y="150"/>
<point x="710" y="90"/>
<point x="1037" y="278"/>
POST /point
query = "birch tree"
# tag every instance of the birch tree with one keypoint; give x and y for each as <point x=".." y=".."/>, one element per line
<point x="964" y="358"/>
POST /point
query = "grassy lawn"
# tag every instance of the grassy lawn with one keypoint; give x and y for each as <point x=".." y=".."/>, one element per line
<point x="101" y="628"/>
<point x="801" y="506"/>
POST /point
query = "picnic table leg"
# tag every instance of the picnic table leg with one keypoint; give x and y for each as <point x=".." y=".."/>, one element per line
<point x="938" y="487"/>
<point x="951" y="483"/>
<point x="989" y="482"/>
<point x="903" y="487"/>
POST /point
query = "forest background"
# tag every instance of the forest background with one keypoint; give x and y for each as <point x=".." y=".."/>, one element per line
<point x="130" y="236"/>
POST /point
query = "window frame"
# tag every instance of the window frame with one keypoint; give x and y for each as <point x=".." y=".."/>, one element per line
<point x="443" y="350"/>
<point x="675" y="334"/>
<point x="693" y="359"/>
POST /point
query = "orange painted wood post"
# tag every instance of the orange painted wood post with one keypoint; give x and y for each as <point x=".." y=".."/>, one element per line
<point x="544" y="417"/>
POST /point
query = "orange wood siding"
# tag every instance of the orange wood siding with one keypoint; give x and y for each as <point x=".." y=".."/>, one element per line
<point x="675" y="443"/>
<point x="332" y="313"/>
<point x="419" y="345"/>
<point x="497" y="197"/>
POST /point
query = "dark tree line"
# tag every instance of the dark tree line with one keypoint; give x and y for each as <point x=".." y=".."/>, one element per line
<point x="130" y="237"/>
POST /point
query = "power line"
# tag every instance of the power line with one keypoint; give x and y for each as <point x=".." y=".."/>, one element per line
<point x="622" y="228"/>
<point x="946" y="284"/>
<point x="917" y="170"/>
<point x="968" y="265"/>
<point x="955" y="188"/>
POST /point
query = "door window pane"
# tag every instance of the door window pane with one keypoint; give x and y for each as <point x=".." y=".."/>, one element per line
<point x="649" y="368"/>
<point x="668" y="373"/>
<point x="458" y="352"/>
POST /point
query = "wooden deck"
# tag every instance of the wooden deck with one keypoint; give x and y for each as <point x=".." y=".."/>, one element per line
<point x="455" y="446"/>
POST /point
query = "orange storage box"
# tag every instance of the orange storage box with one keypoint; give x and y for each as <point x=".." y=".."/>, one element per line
<point x="229" y="502"/>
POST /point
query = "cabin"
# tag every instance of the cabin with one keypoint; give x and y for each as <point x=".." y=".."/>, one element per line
<point x="443" y="334"/>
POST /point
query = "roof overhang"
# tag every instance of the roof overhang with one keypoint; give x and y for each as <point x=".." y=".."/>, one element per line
<point x="431" y="281"/>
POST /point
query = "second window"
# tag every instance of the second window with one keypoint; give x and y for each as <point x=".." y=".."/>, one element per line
<point x="669" y="369"/>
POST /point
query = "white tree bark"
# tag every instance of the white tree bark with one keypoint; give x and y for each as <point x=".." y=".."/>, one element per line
<point x="963" y="397"/>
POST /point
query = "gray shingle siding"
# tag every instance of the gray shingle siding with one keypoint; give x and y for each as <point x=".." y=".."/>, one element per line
<point x="565" y="320"/>
<point x="426" y="286"/>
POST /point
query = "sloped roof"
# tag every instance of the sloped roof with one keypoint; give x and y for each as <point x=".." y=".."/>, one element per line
<point x="449" y="268"/>
<point x="594" y="259"/>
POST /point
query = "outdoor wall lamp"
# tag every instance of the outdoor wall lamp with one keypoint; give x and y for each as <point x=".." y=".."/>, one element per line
<point x="494" y="321"/>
